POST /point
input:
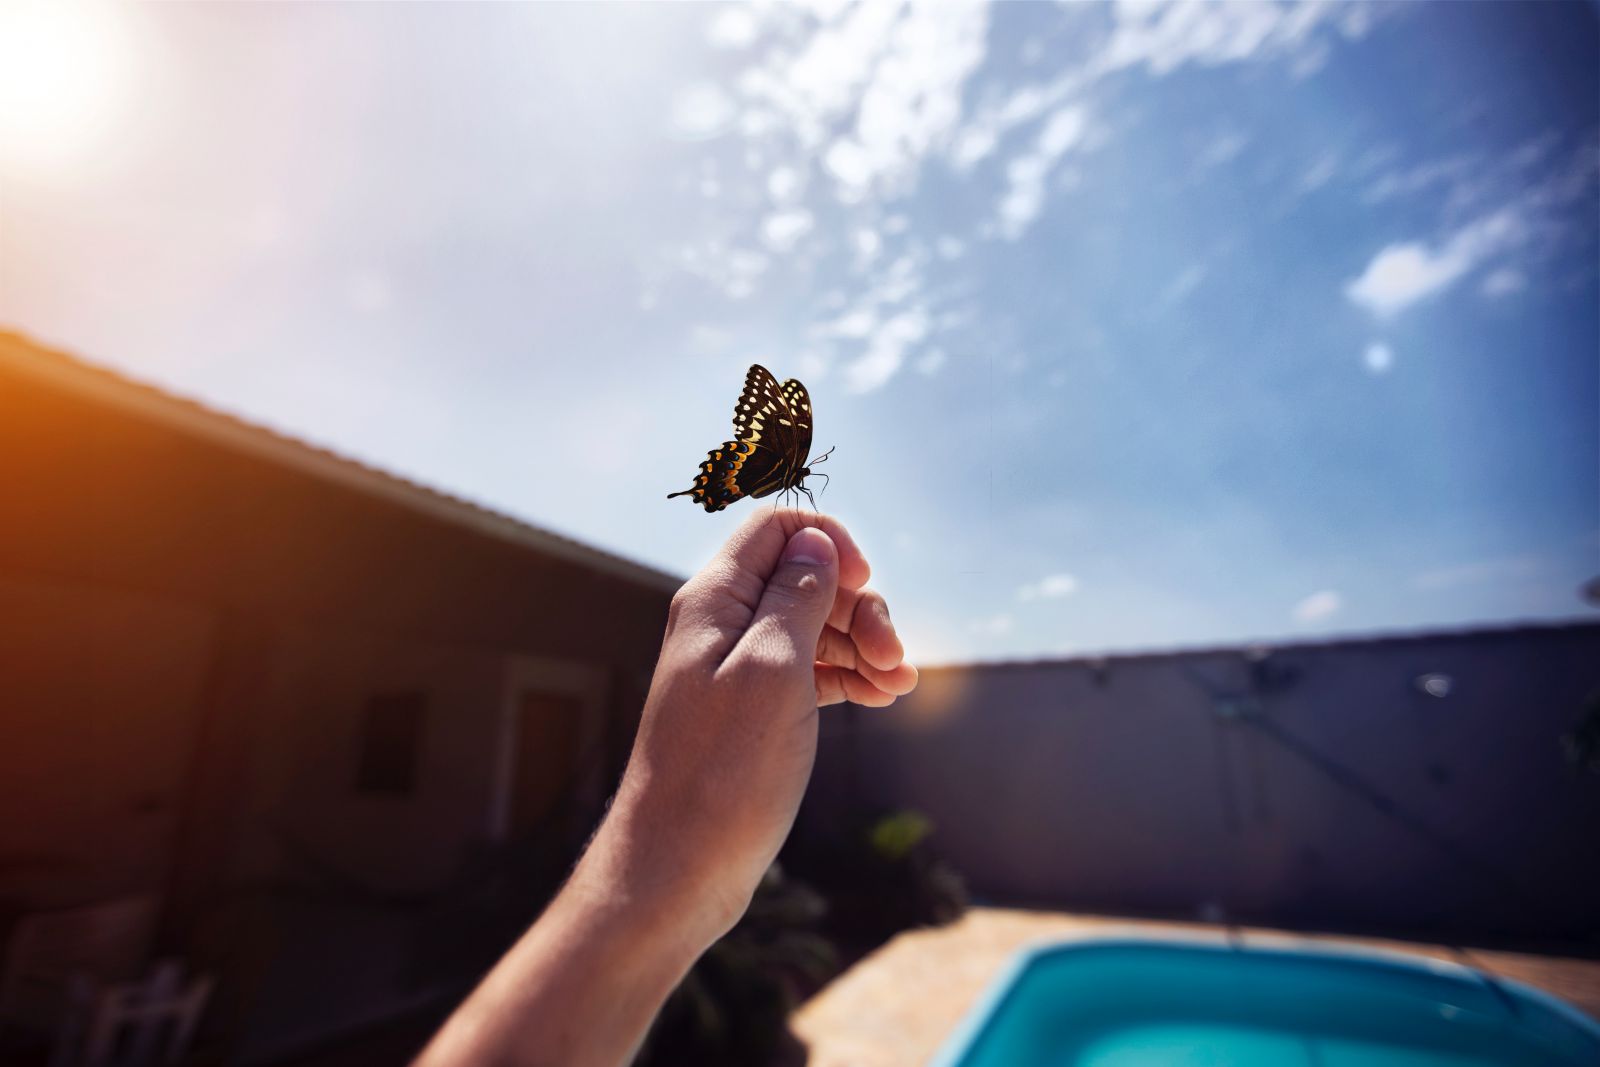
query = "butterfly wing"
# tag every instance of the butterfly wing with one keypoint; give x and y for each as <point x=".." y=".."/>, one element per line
<point x="798" y="401"/>
<point x="761" y="416"/>
<point x="759" y="459"/>
<point x="727" y="473"/>
<point x="763" y="419"/>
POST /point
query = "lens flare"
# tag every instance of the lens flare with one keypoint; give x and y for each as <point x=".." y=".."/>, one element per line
<point x="60" y="66"/>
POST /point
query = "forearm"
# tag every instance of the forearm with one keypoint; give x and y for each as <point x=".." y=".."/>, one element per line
<point x="583" y="984"/>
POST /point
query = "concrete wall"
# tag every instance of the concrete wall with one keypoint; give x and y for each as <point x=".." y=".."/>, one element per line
<point x="1316" y="786"/>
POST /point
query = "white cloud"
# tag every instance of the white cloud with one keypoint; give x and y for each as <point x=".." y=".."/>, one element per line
<point x="1508" y="208"/>
<point x="868" y="245"/>
<point x="896" y="284"/>
<point x="913" y="102"/>
<point x="1378" y="357"/>
<point x="1422" y="178"/>
<point x="734" y="27"/>
<point x="1320" y="173"/>
<point x="886" y="351"/>
<point x="734" y="271"/>
<point x="1403" y="274"/>
<point x="847" y="161"/>
<point x="1064" y="130"/>
<point x="1318" y="606"/>
<point x="781" y="230"/>
<point x="785" y="184"/>
<point x="981" y="134"/>
<point x="992" y="626"/>
<point x="892" y="75"/>
<point x="1504" y="282"/>
<point x="702" y="111"/>
<point x="857" y="323"/>
<point x="1180" y="287"/>
<point x="1050" y="586"/>
<point x="824" y="80"/>
<point x="1024" y="198"/>
<point x="1164" y="36"/>
<point x="950" y="248"/>
<point x="930" y="361"/>
<point x="1223" y="148"/>
<point x="1481" y="572"/>
<point x="973" y="145"/>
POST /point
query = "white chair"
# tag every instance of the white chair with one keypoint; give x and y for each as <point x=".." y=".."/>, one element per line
<point x="107" y="942"/>
<point x="131" y="1024"/>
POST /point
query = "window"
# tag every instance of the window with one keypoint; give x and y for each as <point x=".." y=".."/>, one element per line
<point x="391" y="738"/>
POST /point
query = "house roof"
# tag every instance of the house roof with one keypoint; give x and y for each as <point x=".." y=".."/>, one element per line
<point x="70" y="373"/>
<point x="1260" y="649"/>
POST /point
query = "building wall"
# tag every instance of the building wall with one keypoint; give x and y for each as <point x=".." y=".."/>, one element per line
<point x="1317" y="786"/>
<point x="189" y="638"/>
<point x="99" y="694"/>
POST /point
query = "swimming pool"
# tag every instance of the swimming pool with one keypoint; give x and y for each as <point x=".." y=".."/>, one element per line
<point x="1146" y="1003"/>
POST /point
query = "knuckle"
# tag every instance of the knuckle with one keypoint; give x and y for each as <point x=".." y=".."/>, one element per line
<point x="681" y="604"/>
<point x="871" y="606"/>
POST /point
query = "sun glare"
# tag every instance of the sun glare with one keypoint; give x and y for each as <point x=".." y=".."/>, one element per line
<point x="59" y="69"/>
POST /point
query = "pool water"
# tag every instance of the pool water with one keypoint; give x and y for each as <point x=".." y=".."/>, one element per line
<point x="1158" y="1003"/>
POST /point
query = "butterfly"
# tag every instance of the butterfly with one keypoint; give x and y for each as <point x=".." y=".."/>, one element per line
<point x="772" y="433"/>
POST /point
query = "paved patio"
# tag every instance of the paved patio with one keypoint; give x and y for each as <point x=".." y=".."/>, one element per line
<point x="896" y="1007"/>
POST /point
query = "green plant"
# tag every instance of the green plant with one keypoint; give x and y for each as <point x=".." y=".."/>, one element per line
<point x="1582" y="744"/>
<point x="882" y="875"/>
<point x="895" y="836"/>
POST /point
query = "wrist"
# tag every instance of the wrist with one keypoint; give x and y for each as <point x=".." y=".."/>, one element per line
<point x="648" y="881"/>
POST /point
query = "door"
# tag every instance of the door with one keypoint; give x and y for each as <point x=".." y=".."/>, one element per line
<point x="549" y="728"/>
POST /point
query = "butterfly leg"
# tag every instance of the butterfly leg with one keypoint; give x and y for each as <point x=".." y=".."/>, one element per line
<point x="811" y="498"/>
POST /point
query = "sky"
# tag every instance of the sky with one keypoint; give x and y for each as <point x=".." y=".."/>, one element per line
<point x="1134" y="326"/>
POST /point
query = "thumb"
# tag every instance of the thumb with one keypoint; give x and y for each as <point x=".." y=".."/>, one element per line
<point x="798" y="597"/>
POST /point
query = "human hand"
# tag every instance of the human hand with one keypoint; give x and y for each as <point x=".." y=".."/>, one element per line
<point x="778" y="623"/>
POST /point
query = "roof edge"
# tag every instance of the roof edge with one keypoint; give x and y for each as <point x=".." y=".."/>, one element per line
<point x="1275" y="646"/>
<point x="95" y="381"/>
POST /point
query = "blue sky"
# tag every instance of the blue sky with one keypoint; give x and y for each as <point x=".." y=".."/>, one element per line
<point x="1134" y="325"/>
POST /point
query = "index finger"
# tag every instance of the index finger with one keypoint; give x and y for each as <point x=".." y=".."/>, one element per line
<point x="863" y="614"/>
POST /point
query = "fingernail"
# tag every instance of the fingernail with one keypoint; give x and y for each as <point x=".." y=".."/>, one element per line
<point x="809" y="546"/>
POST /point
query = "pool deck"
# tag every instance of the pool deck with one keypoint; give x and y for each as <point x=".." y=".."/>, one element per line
<point x="896" y="1007"/>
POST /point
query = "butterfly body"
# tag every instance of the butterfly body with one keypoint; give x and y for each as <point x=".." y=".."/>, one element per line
<point x="772" y="434"/>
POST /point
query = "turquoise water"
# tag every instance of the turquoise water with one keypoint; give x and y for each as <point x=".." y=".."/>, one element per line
<point x="1161" y="1004"/>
